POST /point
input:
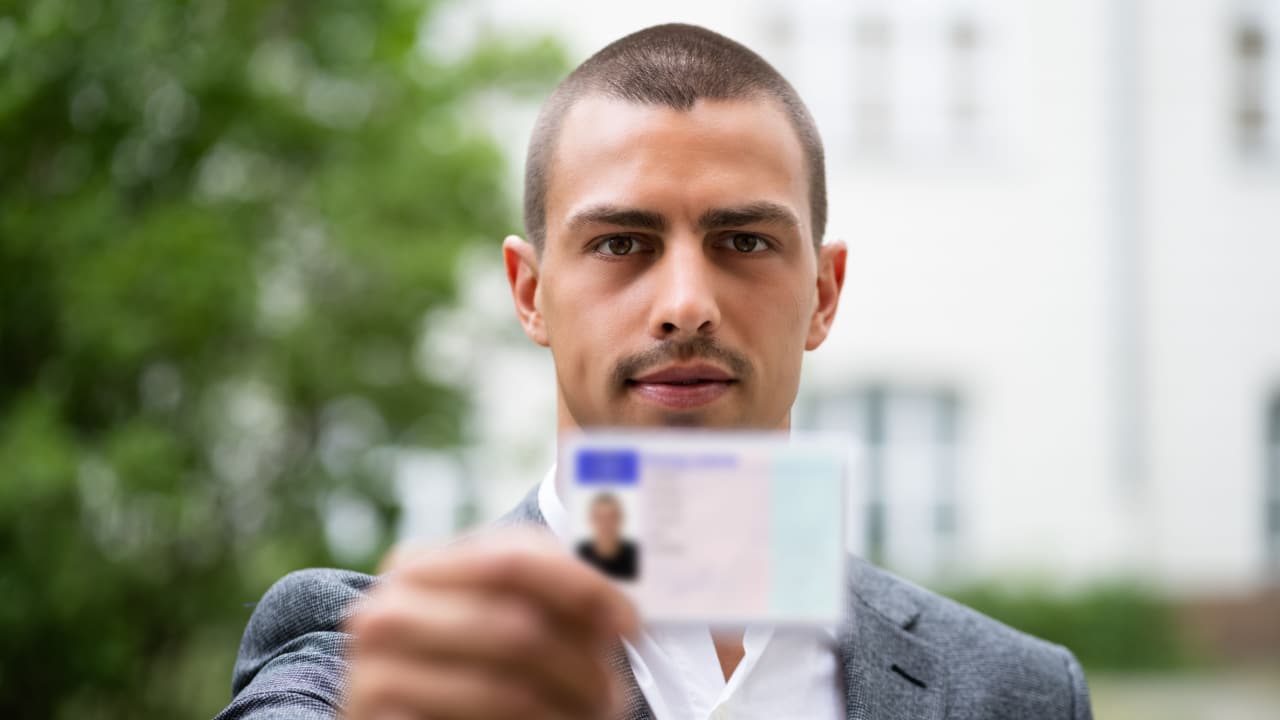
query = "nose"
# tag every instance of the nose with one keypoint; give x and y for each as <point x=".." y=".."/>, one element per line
<point x="684" y="297"/>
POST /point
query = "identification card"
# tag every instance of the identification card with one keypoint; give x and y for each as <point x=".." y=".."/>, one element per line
<point x="712" y="526"/>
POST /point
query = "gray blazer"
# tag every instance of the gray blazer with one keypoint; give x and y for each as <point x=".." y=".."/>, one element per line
<point x="905" y="652"/>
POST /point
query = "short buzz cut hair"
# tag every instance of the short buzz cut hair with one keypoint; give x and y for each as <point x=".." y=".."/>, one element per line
<point x="672" y="65"/>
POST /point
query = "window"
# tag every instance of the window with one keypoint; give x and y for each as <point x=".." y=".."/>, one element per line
<point x="923" y="80"/>
<point x="1251" y="113"/>
<point x="904" y="491"/>
<point x="964" y="42"/>
<point x="1271" y="493"/>
<point x="872" y="104"/>
<point x="1256" y="104"/>
<point x="924" y="83"/>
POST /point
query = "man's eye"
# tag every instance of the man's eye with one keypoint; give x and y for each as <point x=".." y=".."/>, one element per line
<point x="748" y="243"/>
<point x="617" y="245"/>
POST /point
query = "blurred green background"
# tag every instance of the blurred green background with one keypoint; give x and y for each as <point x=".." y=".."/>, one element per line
<point x="221" y="224"/>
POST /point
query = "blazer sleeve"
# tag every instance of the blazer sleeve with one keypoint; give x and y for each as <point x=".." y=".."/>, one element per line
<point x="1081" y="708"/>
<point x="291" y="664"/>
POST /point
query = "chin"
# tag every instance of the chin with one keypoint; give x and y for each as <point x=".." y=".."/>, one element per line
<point x="696" y="418"/>
<point x="687" y="419"/>
<point x="644" y="415"/>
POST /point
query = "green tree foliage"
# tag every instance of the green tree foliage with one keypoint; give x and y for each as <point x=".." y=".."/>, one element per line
<point x="221" y="225"/>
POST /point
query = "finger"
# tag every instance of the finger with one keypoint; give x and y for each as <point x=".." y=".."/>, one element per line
<point x="493" y="630"/>
<point x="380" y="685"/>
<point x="531" y="565"/>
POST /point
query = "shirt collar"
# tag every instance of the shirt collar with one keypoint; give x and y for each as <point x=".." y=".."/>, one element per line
<point x="550" y="505"/>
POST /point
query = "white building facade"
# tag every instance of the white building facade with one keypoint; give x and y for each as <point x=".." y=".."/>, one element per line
<point x="1058" y="351"/>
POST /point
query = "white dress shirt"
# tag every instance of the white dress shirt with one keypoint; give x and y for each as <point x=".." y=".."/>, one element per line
<point x="784" y="673"/>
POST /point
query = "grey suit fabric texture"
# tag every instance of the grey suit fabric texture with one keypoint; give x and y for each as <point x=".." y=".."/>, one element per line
<point x="904" y="653"/>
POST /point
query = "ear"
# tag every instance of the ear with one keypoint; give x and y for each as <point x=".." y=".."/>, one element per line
<point x="523" y="268"/>
<point x="831" y="260"/>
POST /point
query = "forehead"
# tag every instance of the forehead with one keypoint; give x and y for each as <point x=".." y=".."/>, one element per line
<point x="678" y="162"/>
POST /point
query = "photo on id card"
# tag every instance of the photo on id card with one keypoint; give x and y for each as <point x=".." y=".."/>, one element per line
<point x="607" y="508"/>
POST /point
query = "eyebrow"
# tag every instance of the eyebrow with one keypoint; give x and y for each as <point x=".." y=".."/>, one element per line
<point x="606" y="214"/>
<point x="761" y="211"/>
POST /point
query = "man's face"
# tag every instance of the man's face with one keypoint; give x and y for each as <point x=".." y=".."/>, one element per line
<point x="678" y="284"/>
<point x="606" y="521"/>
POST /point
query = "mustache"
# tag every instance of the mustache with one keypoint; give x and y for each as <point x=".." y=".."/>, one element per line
<point x="668" y="351"/>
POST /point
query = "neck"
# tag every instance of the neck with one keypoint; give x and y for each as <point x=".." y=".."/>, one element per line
<point x="729" y="649"/>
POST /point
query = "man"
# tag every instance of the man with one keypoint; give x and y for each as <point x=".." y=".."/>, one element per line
<point x="606" y="549"/>
<point x="675" y="205"/>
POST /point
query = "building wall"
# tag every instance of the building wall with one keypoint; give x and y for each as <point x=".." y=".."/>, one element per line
<point x="984" y="270"/>
<point x="1059" y="334"/>
<point x="1211" y="213"/>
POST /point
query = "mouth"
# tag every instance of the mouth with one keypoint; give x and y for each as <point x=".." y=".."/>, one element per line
<point x="683" y="387"/>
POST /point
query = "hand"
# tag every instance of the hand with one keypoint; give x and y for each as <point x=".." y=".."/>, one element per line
<point x="507" y="625"/>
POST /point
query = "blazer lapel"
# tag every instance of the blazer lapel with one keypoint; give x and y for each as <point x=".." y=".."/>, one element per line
<point x="889" y="673"/>
<point x="634" y="706"/>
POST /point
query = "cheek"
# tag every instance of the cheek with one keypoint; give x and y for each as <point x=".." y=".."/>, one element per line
<point x="774" y="318"/>
<point x="774" y="321"/>
<point x="588" y="321"/>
